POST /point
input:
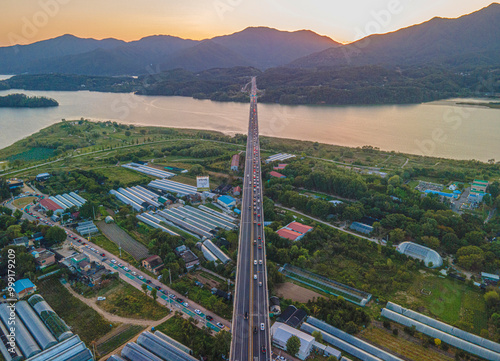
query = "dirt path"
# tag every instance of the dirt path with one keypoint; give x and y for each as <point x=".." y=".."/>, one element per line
<point x="118" y="350"/>
<point x="295" y="292"/>
<point x="113" y="318"/>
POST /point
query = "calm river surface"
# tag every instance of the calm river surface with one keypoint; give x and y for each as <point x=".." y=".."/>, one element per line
<point x="441" y="128"/>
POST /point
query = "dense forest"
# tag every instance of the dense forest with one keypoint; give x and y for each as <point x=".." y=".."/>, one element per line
<point x="24" y="101"/>
<point x="401" y="213"/>
<point x="371" y="84"/>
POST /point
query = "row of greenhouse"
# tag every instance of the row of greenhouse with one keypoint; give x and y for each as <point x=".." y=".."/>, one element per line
<point x="154" y="347"/>
<point x="453" y="336"/>
<point x="40" y="334"/>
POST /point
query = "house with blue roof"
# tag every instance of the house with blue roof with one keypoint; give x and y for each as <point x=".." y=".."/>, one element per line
<point x="226" y="201"/>
<point x="24" y="287"/>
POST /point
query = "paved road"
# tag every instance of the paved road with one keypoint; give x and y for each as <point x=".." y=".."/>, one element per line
<point x="251" y="335"/>
<point x="133" y="277"/>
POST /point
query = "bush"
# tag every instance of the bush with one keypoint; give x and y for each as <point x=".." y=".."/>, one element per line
<point x="387" y="325"/>
<point x="395" y="332"/>
<point x="410" y="330"/>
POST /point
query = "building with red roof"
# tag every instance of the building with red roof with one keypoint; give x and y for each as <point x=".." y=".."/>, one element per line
<point x="288" y="234"/>
<point x="235" y="162"/>
<point x="294" y="231"/>
<point x="50" y="205"/>
<point x="299" y="227"/>
<point x="276" y="174"/>
<point x="280" y="167"/>
<point x="237" y="191"/>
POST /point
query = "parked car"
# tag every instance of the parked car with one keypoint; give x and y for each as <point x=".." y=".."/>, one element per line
<point x="210" y="318"/>
<point x="197" y="311"/>
<point x="220" y="325"/>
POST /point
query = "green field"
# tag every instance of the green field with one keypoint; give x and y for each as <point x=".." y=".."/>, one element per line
<point x="124" y="175"/>
<point x="411" y="350"/>
<point x="127" y="301"/>
<point x="450" y="300"/>
<point x="126" y="333"/>
<point x="33" y="154"/>
<point x="111" y="247"/>
<point x="82" y="319"/>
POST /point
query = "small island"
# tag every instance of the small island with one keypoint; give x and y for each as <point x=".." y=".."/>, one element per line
<point x="24" y="101"/>
<point x="492" y="105"/>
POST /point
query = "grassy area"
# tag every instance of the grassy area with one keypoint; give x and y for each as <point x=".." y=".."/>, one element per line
<point x="204" y="297"/>
<point x="23" y="202"/>
<point x="33" y="154"/>
<point x="449" y="300"/>
<point x="126" y="333"/>
<point x="212" y="277"/>
<point x="124" y="175"/>
<point x="400" y="345"/>
<point x="102" y="241"/>
<point x="91" y="292"/>
<point x="127" y="301"/>
<point x="82" y="319"/>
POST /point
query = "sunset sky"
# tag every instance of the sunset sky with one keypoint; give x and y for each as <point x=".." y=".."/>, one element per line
<point x="28" y="21"/>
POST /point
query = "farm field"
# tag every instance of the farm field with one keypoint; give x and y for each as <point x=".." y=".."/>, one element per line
<point x="127" y="301"/>
<point x="82" y="319"/>
<point x="121" y="238"/>
<point x="121" y="335"/>
<point x="295" y="292"/>
<point x="448" y="300"/>
<point x="399" y="345"/>
<point x="23" y="202"/>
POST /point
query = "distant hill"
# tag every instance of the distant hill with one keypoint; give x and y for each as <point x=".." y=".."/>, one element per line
<point x="21" y="58"/>
<point x="259" y="47"/>
<point x="266" y="47"/>
<point x="471" y="40"/>
<point x="205" y="55"/>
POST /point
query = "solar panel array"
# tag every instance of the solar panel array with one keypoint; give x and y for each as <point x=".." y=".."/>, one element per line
<point x="344" y="336"/>
<point x="148" y="170"/>
<point x="443" y="336"/>
<point x="426" y="320"/>
<point x="180" y="189"/>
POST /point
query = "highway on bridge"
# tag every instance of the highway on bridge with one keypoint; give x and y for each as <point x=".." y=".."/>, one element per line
<point x="251" y="339"/>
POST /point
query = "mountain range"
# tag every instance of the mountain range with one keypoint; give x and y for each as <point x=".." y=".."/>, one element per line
<point x="258" y="47"/>
<point x="469" y="41"/>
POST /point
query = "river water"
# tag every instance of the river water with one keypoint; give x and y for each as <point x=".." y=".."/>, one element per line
<point x="441" y="129"/>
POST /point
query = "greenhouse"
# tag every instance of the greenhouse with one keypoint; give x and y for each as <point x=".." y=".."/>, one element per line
<point x="444" y="327"/>
<point x="443" y="336"/>
<point x="430" y="257"/>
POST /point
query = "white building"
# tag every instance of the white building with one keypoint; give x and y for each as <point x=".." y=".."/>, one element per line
<point x="430" y="257"/>
<point x="280" y="333"/>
